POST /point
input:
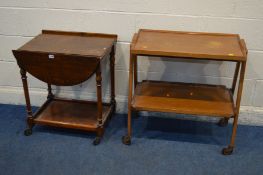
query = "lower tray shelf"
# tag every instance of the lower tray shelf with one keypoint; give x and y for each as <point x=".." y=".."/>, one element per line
<point x="74" y="114"/>
<point x="183" y="98"/>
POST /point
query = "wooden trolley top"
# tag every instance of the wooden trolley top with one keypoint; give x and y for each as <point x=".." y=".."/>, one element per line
<point x="54" y="55"/>
<point x="71" y="43"/>
<point x="212" y="46"/>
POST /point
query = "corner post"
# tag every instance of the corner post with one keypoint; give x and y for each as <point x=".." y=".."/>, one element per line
<point x="112" y="75"/>
<point x="30" y="119"/>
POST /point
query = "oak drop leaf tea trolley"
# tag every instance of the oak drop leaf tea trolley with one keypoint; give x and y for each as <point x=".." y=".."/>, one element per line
<point x="187" y="98"/>
<point x="65" y="59"/>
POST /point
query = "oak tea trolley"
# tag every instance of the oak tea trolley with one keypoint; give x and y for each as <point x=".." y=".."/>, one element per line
<point x="187" y="98"/>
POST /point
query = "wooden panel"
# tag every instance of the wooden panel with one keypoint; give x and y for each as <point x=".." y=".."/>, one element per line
<point x="57" y="69"/>
<point x="189" y="45"/>
<point x="71" y="114"/>
<point x="185" y="98"/>
<point x="71" y="43"/>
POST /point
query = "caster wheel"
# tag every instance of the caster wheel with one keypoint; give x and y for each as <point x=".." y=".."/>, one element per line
<point x="136" y="115"/>
<point x="126" y="140"/>
<point x="227" y="151"/>
<point x="96" y="141"/>
<point x="223" y="122"/>
<point x="28" y="132"/>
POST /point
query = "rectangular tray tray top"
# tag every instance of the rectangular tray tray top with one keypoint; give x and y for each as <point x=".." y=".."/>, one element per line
<point x="184" y="98"/>
<point x="213" y="46"/>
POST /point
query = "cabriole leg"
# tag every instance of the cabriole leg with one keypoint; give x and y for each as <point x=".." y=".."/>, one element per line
<point x="30" y="120"/>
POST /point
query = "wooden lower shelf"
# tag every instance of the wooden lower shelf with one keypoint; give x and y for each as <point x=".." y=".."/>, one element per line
<point x="74" y="114"/>
<point x="183" y="98"/>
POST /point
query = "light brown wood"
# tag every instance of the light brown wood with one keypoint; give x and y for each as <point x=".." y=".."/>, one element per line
<point x="184" y="98"/>
<point x="135" y="72"/>
<point x="238" y="102"/>
<point x="212" y="46"/>
<point x="235" y="77"/>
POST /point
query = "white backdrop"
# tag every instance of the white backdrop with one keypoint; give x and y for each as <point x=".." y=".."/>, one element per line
<point x="20" y="20"/>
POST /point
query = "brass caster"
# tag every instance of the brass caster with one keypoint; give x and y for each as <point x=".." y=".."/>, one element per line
<point x="126" y="140"/>
<point x="228" y="150"/>
<point x="223" y="122"/>
<point x="28" y="132"/>
<point x="96" y="141"/>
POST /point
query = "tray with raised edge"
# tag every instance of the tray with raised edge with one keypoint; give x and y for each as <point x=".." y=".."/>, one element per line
<point x="74" y="55"/>
<point x="212" y="46"/>
<point x="183" y="98"/>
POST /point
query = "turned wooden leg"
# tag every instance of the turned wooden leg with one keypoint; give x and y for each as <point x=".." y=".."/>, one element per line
<point x="50" y="94"/>
<point x="127" y="139"/>
<point x="99" y="107"/>
<point x="228" y="150"/>
<point x="112" y="74"/>
<point x="30" y="120"/>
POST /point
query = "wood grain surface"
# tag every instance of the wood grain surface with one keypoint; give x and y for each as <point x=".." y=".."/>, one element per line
<point x="189" y="45"/>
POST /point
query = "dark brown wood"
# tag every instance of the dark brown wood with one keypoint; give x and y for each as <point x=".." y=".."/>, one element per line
<point x="183" y="98"/>
<point x="27" y="98"/>
<point x="26" y="92"/>
<point x="50" y="94"/>
<point x="112" y="72"/>
<point x="86" y="34"/>
<point x="75" y="43"/>
<point x="77" y="69"/>
<point x="192" y="45"/>
<point x="130" y="94"/>
<point x="186" y="98"/>
<point x="72" y="114"/>
<point x="99" y="96"/>
<point x="66" y="59"/>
